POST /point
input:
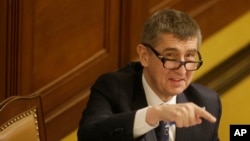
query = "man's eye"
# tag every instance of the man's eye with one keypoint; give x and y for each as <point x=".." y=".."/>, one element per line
<point x="169" y="55"/>
<point x="191" y="55"/>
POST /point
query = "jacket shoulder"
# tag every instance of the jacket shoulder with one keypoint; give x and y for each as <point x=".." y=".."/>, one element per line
<point x="204" y="97"/>
<point x="201" y="95"/>
<point x="202" y="89"/>
<point x="124" y="73"/>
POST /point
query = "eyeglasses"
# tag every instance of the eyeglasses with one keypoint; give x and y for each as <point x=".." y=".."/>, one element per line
<point x="174" y="64"/>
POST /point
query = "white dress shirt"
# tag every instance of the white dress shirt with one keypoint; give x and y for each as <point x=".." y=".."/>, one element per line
<point x="141" y="126"/>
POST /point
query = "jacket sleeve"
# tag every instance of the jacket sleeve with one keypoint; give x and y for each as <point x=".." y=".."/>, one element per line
<point x="108" y="115"/>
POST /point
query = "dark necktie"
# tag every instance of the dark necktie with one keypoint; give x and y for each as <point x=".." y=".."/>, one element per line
<point x="162" y="132"/>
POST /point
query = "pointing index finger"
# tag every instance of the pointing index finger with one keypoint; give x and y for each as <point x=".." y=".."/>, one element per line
<point x="201" y="112"/>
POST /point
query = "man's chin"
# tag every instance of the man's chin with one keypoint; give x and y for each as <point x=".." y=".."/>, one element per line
<point x="176" y="91"/>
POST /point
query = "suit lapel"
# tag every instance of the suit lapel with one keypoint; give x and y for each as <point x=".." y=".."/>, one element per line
<point x="139" y="97"/>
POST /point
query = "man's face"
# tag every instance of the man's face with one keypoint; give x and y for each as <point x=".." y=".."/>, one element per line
<point x="165" y="82"/>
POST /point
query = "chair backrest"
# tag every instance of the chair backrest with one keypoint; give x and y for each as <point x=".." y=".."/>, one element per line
<point x="21" y="118"/>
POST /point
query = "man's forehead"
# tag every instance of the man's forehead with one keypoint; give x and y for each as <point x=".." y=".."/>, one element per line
<point x="174" y="44"/>
<point x="172" y="38"/>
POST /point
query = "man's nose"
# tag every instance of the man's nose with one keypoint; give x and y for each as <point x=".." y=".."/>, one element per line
<point x="181" y="69"/>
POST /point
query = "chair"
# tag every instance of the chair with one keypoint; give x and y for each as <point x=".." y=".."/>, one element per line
<point x="21" y="118"/>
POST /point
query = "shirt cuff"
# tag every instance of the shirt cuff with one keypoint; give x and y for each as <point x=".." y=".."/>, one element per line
<point x="140" y="125"/>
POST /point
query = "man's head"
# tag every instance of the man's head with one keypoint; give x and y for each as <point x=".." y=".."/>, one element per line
<point x="169" y="52"/>
<point x="173" y="22"/>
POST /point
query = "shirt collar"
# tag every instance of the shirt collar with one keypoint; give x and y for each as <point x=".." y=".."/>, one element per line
<point x="152" y="98"/>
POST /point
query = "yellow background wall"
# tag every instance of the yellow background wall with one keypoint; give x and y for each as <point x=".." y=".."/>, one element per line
<point x="216" y="49"/>
<point x="224" y="43"/>
<point x="236" y="107"/>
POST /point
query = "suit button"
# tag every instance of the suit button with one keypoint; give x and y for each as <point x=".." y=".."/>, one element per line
<point x="117" y="131"/>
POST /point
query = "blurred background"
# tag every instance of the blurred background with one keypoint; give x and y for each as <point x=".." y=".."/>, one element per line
<point x="58" y="49"/>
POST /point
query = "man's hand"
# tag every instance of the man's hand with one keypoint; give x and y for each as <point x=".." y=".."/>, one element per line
<point x="184" y="114"/>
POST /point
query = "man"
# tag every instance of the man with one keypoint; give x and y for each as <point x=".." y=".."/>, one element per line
<point x="133" y="102"/>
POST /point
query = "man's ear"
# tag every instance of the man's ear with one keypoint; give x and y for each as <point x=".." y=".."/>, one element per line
<point x="143" y="54"/>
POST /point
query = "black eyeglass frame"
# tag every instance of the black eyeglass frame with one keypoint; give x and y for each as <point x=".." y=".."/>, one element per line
<point x="163" y="60"/>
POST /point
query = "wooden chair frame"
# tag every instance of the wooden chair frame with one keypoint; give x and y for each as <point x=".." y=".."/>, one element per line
<point x="22" y="113"/>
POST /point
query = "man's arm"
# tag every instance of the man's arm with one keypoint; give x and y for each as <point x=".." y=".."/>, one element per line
<point x="105" y="118"/>
<point x="184" y="115"/>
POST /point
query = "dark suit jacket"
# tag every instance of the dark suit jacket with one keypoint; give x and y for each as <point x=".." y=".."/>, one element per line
<point x="115" y="97"/>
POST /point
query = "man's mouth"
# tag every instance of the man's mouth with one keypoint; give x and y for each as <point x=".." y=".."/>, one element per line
<point x="176" y="79"/>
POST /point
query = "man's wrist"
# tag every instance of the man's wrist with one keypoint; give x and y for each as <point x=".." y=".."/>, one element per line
<point x="152" y="117"/>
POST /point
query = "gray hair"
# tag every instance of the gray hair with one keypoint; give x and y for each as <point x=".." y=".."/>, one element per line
<point x="170" y="21"/>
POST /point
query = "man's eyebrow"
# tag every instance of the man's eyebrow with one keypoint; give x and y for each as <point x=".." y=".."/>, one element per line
<point x="175" y="49"/>
<point x="170" y="49"/>
<point x="192" y="50"/>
